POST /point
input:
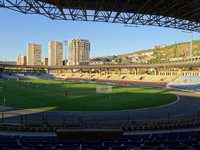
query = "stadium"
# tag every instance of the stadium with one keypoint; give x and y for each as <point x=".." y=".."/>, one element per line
<point x="100" y="107"/>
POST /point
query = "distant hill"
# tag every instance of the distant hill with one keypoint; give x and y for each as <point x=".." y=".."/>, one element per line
<point x="171" y="51"/>
<point x="155" y="54"/>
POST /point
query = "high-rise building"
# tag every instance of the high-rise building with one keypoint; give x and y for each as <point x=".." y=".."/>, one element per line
<point x="55" y="53"/>
<point x="21" y="60"/>
<point x="34" y="54"/>
<point x="78" y="52"/>
<point x="45" y="62"/>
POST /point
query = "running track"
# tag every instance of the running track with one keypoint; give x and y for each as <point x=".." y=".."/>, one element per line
<point x="188" y="105"/>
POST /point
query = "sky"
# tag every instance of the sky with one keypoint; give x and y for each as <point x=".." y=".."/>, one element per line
<point x="16" y="30"/>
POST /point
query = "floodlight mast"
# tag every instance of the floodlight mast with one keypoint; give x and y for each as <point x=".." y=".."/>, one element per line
<point x="191" y="44"/>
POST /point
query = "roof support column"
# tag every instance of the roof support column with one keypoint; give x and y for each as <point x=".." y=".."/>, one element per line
<point x="107" y="71"/>
<point x="180" y="71"/>
<point x="156" y="71"/>
<point x="90" y="71"/>
<point x="119" y="71"/>
<point x="80" y="71"/>
<point x="135" y="71"/>
<point x="100" y="71"/>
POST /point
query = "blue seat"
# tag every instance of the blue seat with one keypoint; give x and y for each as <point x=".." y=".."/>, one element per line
<point x="93" y="147"/>
<point x="171" y="143"/>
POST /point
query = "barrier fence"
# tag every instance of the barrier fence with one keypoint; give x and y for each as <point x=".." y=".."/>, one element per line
<point x="13" y="121"/>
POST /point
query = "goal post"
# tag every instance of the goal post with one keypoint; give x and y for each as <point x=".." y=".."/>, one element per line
<point x="104" y="89"/>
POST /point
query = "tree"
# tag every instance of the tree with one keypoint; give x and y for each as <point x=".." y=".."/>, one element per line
<point x="118" y="60"/>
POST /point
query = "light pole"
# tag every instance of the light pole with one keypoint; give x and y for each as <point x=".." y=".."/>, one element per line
<point x="191" y="38"/>
<point x="65" y="44"/>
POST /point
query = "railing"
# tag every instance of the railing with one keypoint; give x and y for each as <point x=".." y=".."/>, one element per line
<point x="23" y="122"/>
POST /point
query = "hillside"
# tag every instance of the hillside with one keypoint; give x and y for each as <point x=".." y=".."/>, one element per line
<point x="156" y="54"/>
<point x="171" y="51"/>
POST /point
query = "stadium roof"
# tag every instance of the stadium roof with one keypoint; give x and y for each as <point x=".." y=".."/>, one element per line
<point x="180" y="14"/>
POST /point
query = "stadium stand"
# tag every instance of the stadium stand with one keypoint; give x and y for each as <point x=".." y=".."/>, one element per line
<point x="133" y="137"/>
<point x="191" y="82"/>
<point x="145" y="80"/>
<point x="150" y="141"/>
<point x="28" y="75"/>
<point x="172" y="80"/>
<point x="182" y="82"/>
<point x="186" y="82"/>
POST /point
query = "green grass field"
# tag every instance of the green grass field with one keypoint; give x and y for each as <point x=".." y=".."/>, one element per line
<point x="50" y="95"/>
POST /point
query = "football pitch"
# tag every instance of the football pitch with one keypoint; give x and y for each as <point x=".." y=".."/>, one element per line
<point x="50" y="95"/>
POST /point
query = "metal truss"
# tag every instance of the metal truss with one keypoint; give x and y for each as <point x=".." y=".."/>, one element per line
<point x="55" y="9"/>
